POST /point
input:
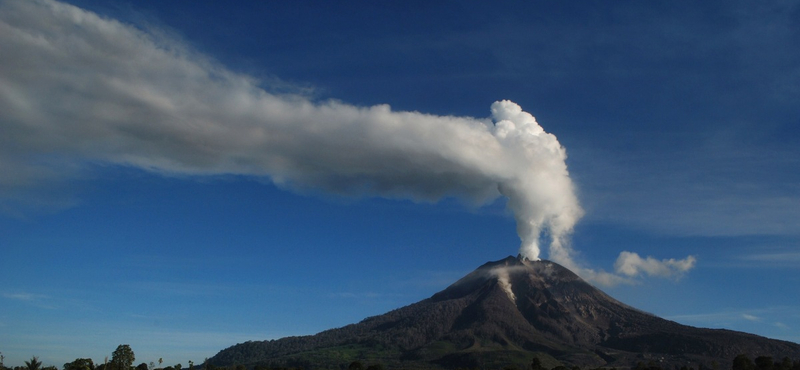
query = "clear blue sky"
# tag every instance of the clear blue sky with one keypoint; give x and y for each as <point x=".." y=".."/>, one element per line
<point x="182" y="176"/>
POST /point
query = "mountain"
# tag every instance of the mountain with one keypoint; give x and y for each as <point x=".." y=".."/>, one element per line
<point x="505" y="313"/>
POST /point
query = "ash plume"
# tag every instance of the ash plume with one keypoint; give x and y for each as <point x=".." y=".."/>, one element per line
<point x="78" y="88"/>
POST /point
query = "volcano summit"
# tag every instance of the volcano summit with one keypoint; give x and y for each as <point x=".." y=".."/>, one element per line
<point x="505" y="313"/>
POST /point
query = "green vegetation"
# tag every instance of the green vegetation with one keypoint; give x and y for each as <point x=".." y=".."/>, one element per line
<point x="33" y="364"/>
<point x="121" y="359"/>
<point x="353" y="357"/>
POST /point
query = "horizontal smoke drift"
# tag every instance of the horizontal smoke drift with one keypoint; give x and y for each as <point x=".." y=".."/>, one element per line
<point x="76" y="88"/>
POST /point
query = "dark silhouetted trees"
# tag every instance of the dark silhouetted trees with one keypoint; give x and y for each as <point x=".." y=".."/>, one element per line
<point x="536" y="364"/>
<point x="33" y="364"/>
<point x="122" y="358"/>
<point x="80" y="364"/>
<point x="764" y="363"/>
<point x="742" y="362"/>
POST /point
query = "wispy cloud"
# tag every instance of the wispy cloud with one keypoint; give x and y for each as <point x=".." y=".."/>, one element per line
<point x="741" y="319"/>
<point x="27" y="297"/>
<point x="360" y="295"/>
<point x="781" y="325"/>
<point x="184" y="289"/>
<point x="32" y="299"/>
<point x="774" y="258"/>
<point x="750" y="317"/>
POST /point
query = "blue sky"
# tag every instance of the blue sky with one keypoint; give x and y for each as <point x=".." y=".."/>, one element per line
<point x="141" y="204"/>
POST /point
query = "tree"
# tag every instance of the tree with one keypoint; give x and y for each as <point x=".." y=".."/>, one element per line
<point x="742" y="362"/>
<point x="764" y="363"/>
<point x="786" y="364"/>
<point x="80" y="364"/>
<point x="33" y="364"/>
<point x="122" y="358"/>
<point x="142" y="366"/>
<point x="536" y="364"/>
<point x="355" y="365"/>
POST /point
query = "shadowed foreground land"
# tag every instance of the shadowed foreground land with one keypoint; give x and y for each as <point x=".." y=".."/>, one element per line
<point x="123" y="357"/>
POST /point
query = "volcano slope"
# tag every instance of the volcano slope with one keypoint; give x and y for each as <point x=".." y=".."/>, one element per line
<point x="505" y="313"/>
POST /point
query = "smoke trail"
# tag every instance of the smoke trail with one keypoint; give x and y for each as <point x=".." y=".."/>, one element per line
<point x="78" y="88"/>
<point x="505" y="283"/>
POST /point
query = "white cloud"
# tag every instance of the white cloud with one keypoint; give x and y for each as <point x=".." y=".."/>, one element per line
<point x="631" y="264"/>
<point x="750" y="317"/>
<point x="629" y="267"/>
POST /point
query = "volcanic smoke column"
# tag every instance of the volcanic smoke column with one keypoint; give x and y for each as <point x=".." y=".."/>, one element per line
<point x="540" y="193"/>
<point x="78" y="88"/>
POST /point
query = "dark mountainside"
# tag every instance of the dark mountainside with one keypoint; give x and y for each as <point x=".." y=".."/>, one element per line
<point x="505" y="313"/>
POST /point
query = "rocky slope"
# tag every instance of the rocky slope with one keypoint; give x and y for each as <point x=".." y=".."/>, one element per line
<point x="505" y="313"/>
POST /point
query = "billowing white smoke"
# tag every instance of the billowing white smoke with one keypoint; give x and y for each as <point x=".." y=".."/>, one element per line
<point x="77" y="88"/>
<point x="541" y="194"/>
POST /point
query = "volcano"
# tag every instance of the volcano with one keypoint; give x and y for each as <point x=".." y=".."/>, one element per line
<point x="504" y="314"/>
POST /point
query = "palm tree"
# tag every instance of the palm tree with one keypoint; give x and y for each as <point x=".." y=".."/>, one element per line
<point x="33" y="364"/>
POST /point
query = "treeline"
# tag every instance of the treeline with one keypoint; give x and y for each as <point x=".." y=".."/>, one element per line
<point x="740" y="362"/>
<point x="123" y="358"/>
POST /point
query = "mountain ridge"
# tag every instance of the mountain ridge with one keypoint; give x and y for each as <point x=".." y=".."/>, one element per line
<point x="507" y="312"/>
